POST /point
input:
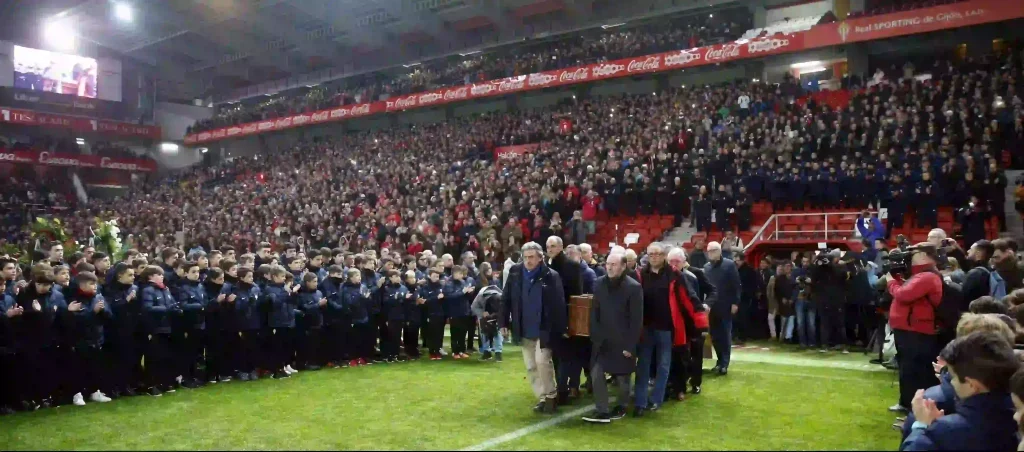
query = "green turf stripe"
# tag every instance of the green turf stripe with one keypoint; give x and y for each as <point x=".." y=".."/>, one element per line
<point x="829" y="360"/>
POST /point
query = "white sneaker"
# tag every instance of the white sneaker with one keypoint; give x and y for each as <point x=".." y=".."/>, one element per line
<point x="178" y="379"/>
<point x="290" y="369"/>
<point x="78" y="399"/>
<point x="897" y="408"/>
<point x="99" y="397"/>
<point x="443" y="353"/>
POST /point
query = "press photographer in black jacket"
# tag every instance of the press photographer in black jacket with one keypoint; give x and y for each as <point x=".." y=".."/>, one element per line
<point x="828" y="292"/>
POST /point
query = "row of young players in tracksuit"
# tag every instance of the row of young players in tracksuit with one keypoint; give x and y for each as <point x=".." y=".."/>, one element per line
<point x="235" y="319"/>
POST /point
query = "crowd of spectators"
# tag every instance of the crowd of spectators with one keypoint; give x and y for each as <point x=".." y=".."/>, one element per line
<point x="570" y="50"/>
<point x="905" y="144"/>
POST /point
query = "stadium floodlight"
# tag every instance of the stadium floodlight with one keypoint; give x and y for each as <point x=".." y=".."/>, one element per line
<point x="410" y="65"/>
<point x="607" y="26"/>
<point x="169" y="147"/>
<point x="60" y="35"/>
<point x="806" y="64"/>
<point x="123" y="12"/>
<point x="812" y="70"/>
<point x="466" y="54"/>
<point x="79" y="141"/>
<point x="204" y="150"/>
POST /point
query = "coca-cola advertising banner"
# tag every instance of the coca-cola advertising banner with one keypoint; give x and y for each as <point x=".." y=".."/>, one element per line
<point x="82" y="161"/>
<point x="923" y="20"/>
<point x="875" y="27"/>
<point x="34" y="118"/>
<point x="299" y="120"/>
<point x="513" y="152"/>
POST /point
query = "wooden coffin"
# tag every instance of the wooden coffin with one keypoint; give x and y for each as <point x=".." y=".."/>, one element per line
<point x="579" y="315"/>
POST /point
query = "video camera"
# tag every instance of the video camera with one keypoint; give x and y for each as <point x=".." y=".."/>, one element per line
<point x="898" y="261"/>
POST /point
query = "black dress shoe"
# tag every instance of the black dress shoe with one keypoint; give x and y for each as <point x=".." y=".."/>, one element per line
<point x="130" y="392"/>
<point x="618" y="412"/>
<point x="155" y="392"/>
<point x="723" y="371"/>
<point x="550" y="406"/>
<point x="652" y="407"/>
<point x="639" y="412"/>
<point x="539" y="407"/>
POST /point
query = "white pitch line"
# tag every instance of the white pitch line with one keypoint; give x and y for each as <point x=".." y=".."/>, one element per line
<point x="530" y="429"/>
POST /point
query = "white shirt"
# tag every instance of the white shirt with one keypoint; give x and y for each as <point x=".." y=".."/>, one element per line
<point x="744" y="101"/>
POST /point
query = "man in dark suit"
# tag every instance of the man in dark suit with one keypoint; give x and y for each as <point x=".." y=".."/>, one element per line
<point x="724" y="276"/>
<point x="616" y="319"/>
<point x="571" y="354"/>
<point x="534" y="308"/>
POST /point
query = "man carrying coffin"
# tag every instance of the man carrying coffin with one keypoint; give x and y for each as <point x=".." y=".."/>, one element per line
<point x="616" y="320"/>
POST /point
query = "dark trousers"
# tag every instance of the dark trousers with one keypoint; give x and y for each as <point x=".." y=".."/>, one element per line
<point x="460" y="330"/>
<point x="410" y="339"/>
<point x="309" y="347"/>
<point x="472" y="333"/>
<point x="721" y="336"/>
<point x="859" y="325"/>
<point x="335" y="345"/>
<point x="36" y="374"/>
<point x="695" y="369"/>
<point x="124" y="355"/>
<point x="435" y="334"/>
<point x="88" y="371"/>
<point x="217" y="364"/>
<point x="381" y="330"/>
<point x="680" y="370"/>
<point x="914" y="354"/>
<point x="8" y="382"/>
<point x="423" y="325"/>
<point x="572" y="360"/>
<point x="282" y="347"/>
<point x="245" y="348"/>
<point x="833" y="324"/>
<point x="391" y="347"/>
<point x="160" y="363"/>
<point x="741" y="322"/>
<point x="363" y="336"/>
<point x="187" y="347"/>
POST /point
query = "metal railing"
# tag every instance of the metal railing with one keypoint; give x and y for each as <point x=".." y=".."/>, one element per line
<point x="833" y="227"/>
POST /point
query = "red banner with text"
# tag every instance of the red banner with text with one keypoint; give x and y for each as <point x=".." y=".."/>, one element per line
<point x="34" y="118"/>
<point x="47" y="158"/>
<point x="882" y="26"/>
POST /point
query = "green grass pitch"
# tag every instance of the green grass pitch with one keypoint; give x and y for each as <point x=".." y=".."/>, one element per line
<point x="778" y="399"/>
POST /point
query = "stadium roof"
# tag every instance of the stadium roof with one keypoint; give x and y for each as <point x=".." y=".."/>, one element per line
<point x="203" y="46"/>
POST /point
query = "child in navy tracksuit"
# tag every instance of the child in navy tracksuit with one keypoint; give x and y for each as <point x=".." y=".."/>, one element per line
<point x="312" y="303"/>
<point x="157" y="308"/>
<point x="431" y="295"/>
<point x="413" y="317"/>
<point x="8" y="311"/>
<point x="282" y="305"/>
<point x="218" y="366"/>
<point x="393" y="300"/>
<point x="189" y="326"/>
<point x="456" y="307"/>
<point x="247" y="316"/>
<point x="358" y="299"/>
<point x="125" y="342"/>
<point x="337" y="320"/>
<point x="86" y="315"/>
<point x="981" y="366"/>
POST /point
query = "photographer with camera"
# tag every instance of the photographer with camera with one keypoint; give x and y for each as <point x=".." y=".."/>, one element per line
<point x="912" y="317"/>
<point x="972" y="220"/>
<point x="827" y="280"/>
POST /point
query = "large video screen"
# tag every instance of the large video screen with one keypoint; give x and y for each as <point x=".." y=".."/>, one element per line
<point x="42" y="70"/>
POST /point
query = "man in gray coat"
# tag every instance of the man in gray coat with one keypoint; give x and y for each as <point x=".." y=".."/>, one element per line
<point x="616" y="320"/>
<point x="725" y="277"/>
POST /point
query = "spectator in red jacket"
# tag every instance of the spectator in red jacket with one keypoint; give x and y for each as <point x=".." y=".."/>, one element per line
<point x="912" y="318"/>
<point x="591" y="203"/>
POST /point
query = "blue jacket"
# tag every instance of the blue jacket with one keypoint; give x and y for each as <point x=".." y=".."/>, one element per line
<point x="158" y="306"/>
<point x="282" y="306"/>
<point x="308" y="301"/>
<point x="554" y="314"/>
<point x="456" y="302"/>
<point x="33" y="329"/>
<point x="413" y="311"/>
<point x="726" y="278"/>
<point x="127" y="315"/>
<point x="370" y="279"/>
<point x="870" y="235"/>
<point x="247" y="315"/>
<point x="193" y="300"/>
<point x="336" y="312"/>
<point x="430" y="292"/>
<point x="6" y="332"/>
<point x="85" y="327"/>
<point x="393" y="302"/>
<point x="357" y="300"/>
<point x="942" y="394"/>
<point x="981" y="422"/>
<point x="589" y="277"/>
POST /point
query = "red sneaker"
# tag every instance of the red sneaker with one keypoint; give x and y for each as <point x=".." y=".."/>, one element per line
<point x="362" y="361"/>
<point x="353" y="363"/>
